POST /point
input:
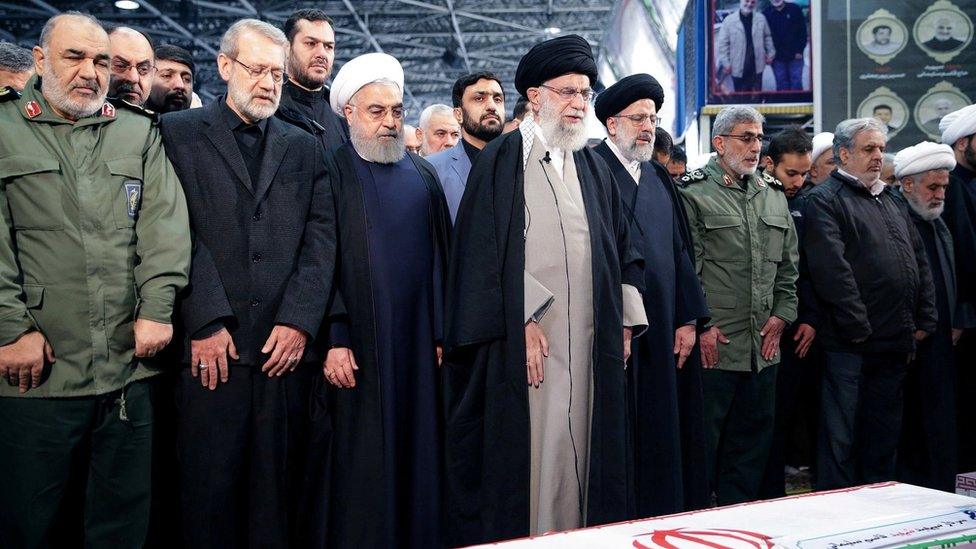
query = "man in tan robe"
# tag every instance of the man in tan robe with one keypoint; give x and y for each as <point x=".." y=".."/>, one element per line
<point x="567" y="210"/>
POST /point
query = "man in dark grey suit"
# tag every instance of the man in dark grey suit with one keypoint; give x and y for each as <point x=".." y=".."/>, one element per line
<point x="262" y="221"/>
<point x="479" y="106"/>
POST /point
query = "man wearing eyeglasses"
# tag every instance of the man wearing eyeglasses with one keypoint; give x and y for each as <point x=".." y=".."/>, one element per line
<point x="665" y="373"/>
<point x="381" y="372"/>
<point x="264" y="240"/>
<point x="133" y="66"/>
<point x="746" y="256"/>
<point x="545" y="299"/>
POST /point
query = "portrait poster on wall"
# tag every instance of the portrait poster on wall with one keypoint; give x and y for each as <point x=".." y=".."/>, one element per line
<point x="907" y="64"/>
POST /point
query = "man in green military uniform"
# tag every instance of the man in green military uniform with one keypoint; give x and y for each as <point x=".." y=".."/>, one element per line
<point x="95" y="246"/>
<point x="746" y="256"/>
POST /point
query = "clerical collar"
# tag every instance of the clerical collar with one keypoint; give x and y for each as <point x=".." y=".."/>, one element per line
<point x="302" y="95"/>
<point x="470" y="150"/>
<point x="877" y="188"/>
<point x="633" y="167"/>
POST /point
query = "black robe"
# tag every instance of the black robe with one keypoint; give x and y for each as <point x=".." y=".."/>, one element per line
<point x="960" y="217"/>
<point x="927" y="451"/>
<point x="381" y="480"/>
<point x="666" y="403"/>
<point x="485" y="391"/>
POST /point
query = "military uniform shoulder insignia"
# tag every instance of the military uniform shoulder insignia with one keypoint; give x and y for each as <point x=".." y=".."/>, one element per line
<point x="691" y="177"/>
<point x="109" y="109"/>
<point x="8" y="94"/>
<point x="771" y="181"/>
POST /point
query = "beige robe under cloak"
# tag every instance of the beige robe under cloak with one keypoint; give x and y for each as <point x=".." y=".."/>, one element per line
<point x="558" y="293"/>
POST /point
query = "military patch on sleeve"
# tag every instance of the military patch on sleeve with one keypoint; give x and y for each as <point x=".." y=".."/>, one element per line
<point x="8" y="94"/>
<point x="133" y="197"/>
<point x="691" y="177"/>
<point x="773" y="182"/>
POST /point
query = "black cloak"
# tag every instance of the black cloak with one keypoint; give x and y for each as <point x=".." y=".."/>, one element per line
<point x="485" y="391"/>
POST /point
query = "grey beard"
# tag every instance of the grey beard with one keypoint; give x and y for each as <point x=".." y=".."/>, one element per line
<point x="372" y="150"/>
<point x="632" y="151"/>
<point x="60" y="99"/>
<point x="242" y="100"/>
<point x="923" y="210"/>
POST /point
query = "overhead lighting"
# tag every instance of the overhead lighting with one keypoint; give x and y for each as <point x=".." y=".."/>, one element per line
<point x="553" y="30"/>
<point x="126" y="4"/>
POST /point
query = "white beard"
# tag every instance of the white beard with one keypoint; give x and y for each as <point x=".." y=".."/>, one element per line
<point x="559" y="135"/>
<point x="923" y="210"/>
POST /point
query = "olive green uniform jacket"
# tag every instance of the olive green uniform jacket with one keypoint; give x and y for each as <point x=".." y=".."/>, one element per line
<point x="97" y="235"/>
<point x="746" y="255"/>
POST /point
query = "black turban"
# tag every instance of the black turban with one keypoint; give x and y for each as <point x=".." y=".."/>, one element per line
<point x="627" y="90"/>
<point x="554" y="58"/>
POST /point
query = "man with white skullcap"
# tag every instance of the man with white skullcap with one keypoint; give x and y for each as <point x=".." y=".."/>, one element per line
<point x="927" y="456"/>
<point x="959" y="132"/>
<point x="823" y="157"/>
<point x="385" y="325"/>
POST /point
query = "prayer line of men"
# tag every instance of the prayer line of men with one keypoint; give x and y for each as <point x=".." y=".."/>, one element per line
<point x="381" y="350"/>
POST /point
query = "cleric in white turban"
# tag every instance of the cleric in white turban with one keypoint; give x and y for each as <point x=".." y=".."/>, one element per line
<point x="360" y="71"/>
<point x="384" y="340"/>
<point x="927" y="455"/>
<point x="823" y="157"/>
<point x="958" y="124"/>
<point x="924" y="157"/>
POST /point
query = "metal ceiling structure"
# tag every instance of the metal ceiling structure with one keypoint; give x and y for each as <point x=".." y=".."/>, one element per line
<point x="436" y="41"/>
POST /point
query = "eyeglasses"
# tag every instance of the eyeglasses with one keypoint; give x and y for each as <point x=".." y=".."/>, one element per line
<point x="380" y="113"/>
<point x="277" y="75"/>
<point x="639" y="119"/>
<point x="746" y="138"/>
<point x="568" y="94"/>
<point x="121" y="66"/>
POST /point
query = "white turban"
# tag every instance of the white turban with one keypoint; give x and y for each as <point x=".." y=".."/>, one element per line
<point x="956" y="124"/>
<point x="924" y="157"/>
<point x="822" y="142"/>
<point x="361" y="71"/>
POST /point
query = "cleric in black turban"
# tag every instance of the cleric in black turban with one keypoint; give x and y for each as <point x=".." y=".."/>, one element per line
<point x="619" y="96"/>
<point x="554" y="58"/>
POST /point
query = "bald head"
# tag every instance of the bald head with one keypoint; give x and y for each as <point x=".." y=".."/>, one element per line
<point x="73" y="61"/>
<point x="133" y="65"/>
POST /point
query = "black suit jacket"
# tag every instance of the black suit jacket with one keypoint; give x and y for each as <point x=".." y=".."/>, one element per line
<point x="261" y="257"/>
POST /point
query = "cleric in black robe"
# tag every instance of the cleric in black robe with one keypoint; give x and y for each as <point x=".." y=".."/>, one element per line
<point x="487" y="438"/>
<point x="382" y="486"/>
<point x="959" y="132"/>
<point x="927" y="450"/>
<point x="311" y="52"/>
<point x="667" y="465"/>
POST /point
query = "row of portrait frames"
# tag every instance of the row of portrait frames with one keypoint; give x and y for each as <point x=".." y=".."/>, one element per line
<point x="943" y="31"/>
<point x="920" y="69"/>
<point x="891" y="109"/>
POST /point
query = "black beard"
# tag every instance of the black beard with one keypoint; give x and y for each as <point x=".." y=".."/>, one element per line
<point x="303" y="80"/>
<point x="481" y="131"/>
<point x="970" y="154"/>
<point x="173" y="102"/>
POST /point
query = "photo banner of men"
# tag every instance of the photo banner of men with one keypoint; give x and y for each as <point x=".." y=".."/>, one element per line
<point x="907" y="64"/>
<point x="771" y="63"/>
